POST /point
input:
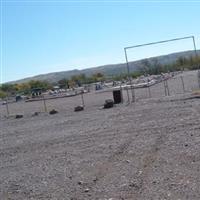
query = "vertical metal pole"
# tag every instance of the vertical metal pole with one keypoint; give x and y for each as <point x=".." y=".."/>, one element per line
<point x="128" y="69"/>
<point x="130" y="81"/>
<point x="165" y="87"/>
<point x="195" y="49"/>
<point x="7" y="109"/>
<point x="183" y="85"/>
<point x="127" y="94"/>
<point x="132" y="92"/>
<point x="149" y="90"/>
<point x="45" y="106"/>
<point x="121" y="91"/>
<point x="83" y="104"/>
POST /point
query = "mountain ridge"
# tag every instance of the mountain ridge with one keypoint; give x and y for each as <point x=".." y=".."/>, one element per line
<point x="109" y="69"/>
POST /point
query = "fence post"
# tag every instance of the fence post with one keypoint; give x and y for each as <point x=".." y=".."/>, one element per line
<point x="183" y="85"/>
<point x="149" y="90"/>
<point x="82" y="99"/>
<point x="121" y="91"/>
<point x="45" y="106"/>
<point x="127" y="94"/>
<point x="133" y="93"/>
<point x="166" y="88"/>
<point x="7" y="109"/>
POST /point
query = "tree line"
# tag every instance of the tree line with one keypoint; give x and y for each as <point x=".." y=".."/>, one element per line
<point x="27" y="87"/>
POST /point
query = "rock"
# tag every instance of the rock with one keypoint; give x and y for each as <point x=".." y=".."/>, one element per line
<point x="86" y="190"/>
<point x="35" y="114"/>
<point x="140" y="172"/>
<point x="52" y="112"/>
<point x="108" y="103"/>
<point x="95" y="179"/>
<point x="134" y="185"/>
<point x="78" y="108"/>
<point x="18" y="116"/>
<point x="154" y="182"/>
<point x="80" y="183"/>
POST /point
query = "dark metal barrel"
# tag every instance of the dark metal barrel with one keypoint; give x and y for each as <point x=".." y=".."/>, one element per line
<point x="117" y="96"/>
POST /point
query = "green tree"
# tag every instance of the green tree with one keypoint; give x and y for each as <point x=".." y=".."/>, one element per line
<point x="2" y="94"/>
<point x="23" y="88"/>
<point x="63" y="83"/>
<point x="8" y="88"/>
<point x="39" y="84"/>
<point x="98" y="77"/>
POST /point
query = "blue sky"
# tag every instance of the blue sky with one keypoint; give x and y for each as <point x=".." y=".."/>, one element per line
<point x="47" y="36"/>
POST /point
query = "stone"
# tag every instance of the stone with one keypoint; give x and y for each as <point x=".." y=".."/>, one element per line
<point x="78" y="108"/>
<point x="95" y="179"/>
<point x="18" y="116"/>
<point x="35" y="114"/>
<point x="80" y="183"/>
<point x="86" y="190"/>
<point x="108" y="103"/>
<point x="52" y="112"/>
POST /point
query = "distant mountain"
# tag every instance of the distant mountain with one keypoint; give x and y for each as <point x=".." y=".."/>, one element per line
<point x="109" y="70"/>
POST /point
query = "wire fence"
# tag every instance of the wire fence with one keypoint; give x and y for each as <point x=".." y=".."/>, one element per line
<point x="185" y="82"/>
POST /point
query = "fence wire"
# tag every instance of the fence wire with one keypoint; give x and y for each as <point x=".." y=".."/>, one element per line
<point x="185" y="82"/>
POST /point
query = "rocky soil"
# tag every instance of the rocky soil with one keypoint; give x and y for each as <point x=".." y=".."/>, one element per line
<point x="149" y="150"/>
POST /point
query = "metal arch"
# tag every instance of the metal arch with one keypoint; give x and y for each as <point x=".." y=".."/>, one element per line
<point x="153" y="43"/>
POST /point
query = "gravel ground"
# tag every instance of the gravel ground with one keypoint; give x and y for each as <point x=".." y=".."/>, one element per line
<point x="147" y="150"/>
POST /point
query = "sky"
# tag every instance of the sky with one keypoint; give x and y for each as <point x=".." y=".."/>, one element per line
<point x="40" y="37"/>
